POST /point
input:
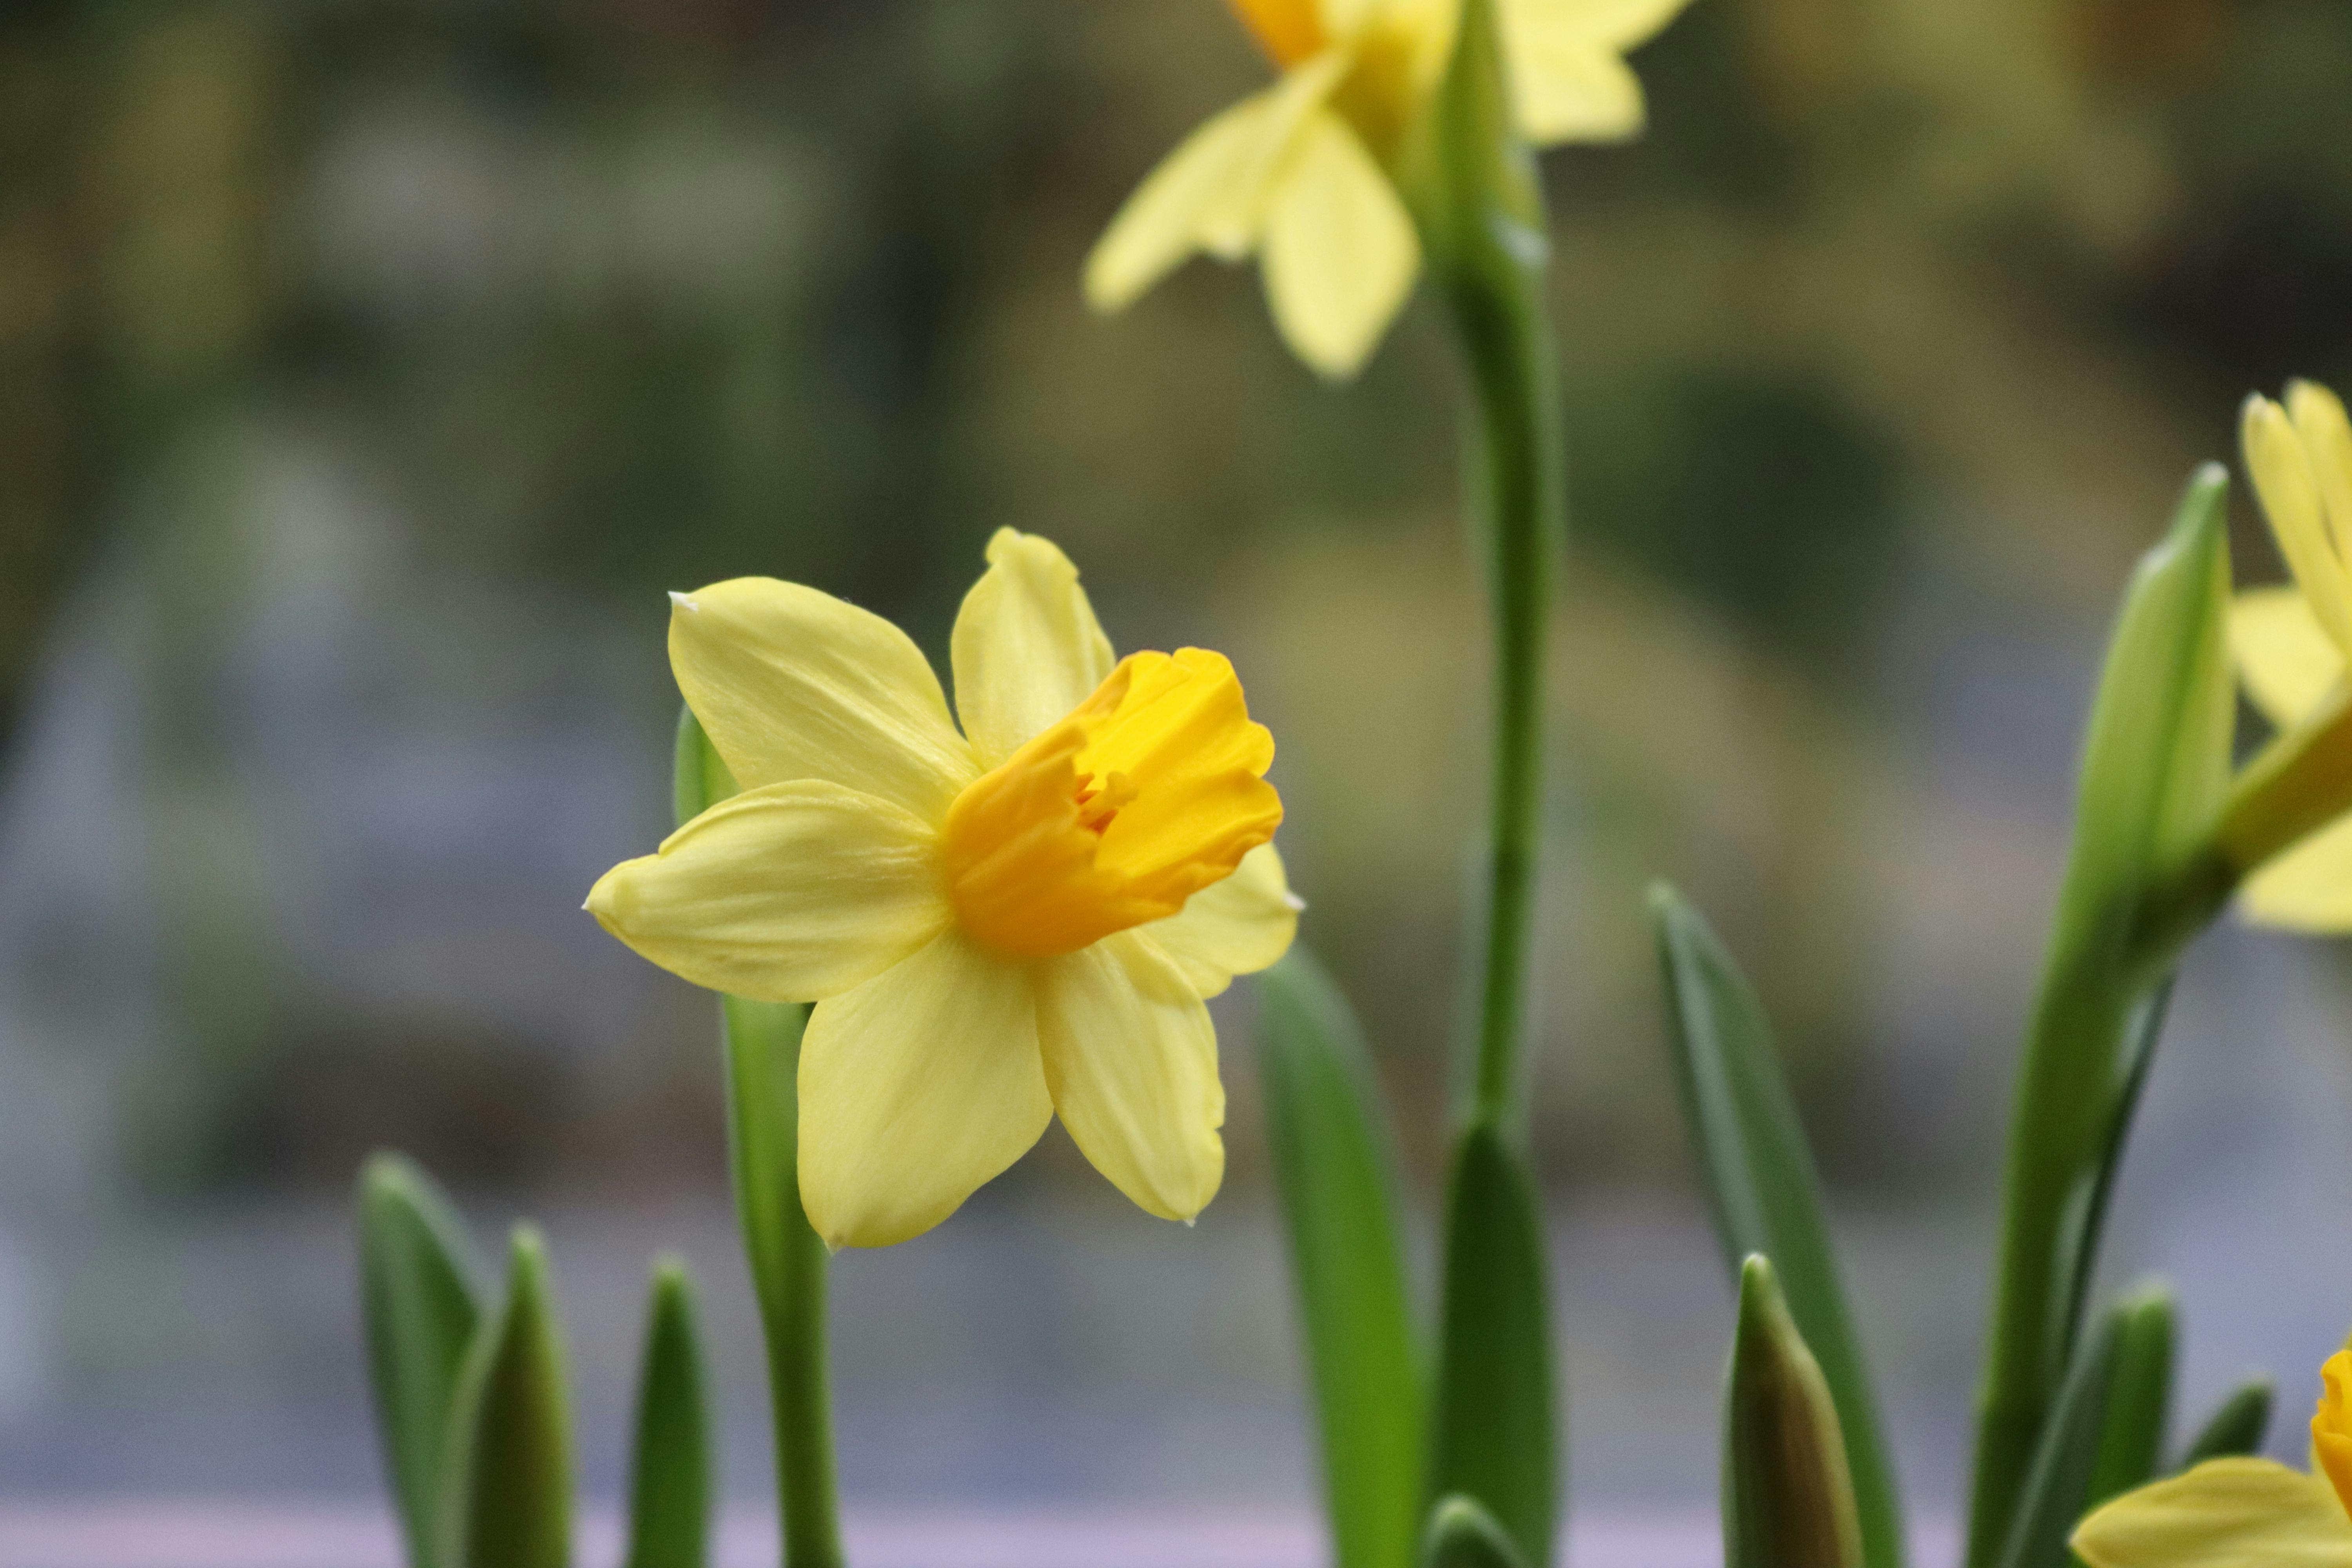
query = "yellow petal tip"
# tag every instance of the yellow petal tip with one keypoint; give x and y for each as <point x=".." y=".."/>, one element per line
<point x="683" y="602"/>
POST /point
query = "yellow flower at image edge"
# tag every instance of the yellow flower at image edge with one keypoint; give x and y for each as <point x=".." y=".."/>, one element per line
<point x="1299" y="174"/>
<point x="1021" y="919"/>
<point x="2241" y="1512"/>
<point x="2291" y="644"/>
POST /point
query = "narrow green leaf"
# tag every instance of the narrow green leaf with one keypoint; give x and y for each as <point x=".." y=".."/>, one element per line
<point x="1788" y="1494"/>
<point x="698" y="779"/>
<point x="669" y="1482"/>
<point x="2142" y="878"/>
<point x="2058" y="1481"/>
<point x="2139" y="1396"/>
<point x="1759" y="1177"/>
<point x="507" y="1498"/>
<point x="416" y="1298"/>
<point x="1463" y="1535"/>
<point x="2238" y="1425"/>
<point x="1492" y="1430"/>
<point x="1336" y="1172"/>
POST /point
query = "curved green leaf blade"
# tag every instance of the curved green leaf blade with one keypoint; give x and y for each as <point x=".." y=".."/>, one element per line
<point x="508" y="1500"/>
<point x="2142" y="878"/>
<point x="2139" y="1396"/>
<point x="2057" y="1488"/>
<point x="1463" y="1535"/>
<point x="1788" y="1494"/>
<point x="2238" y="1425"/>
<point x="1335" y="1170"/>
<point x="670" y="1490"/>
<point x="1759" y="1177"/>
<point x="1492" y="1430"/>
<point x="417" y="1301"/>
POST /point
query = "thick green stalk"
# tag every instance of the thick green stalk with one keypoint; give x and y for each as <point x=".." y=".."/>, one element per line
<point x="788" y="1266"/>
<point x="763" y="1046"/>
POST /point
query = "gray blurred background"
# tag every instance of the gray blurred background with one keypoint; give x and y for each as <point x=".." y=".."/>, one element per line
<point x="368" y="368"/>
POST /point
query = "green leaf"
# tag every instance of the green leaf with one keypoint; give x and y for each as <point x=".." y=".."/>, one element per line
<point x="1336" y="1172"/>
<point x="2142" y="878"/>
<point x="417" y="1299"/>
<point x="2139" y="1396"/>
<point x="2057" y="1489"/>
<point x="1788" y="1495"/>
<point x="508" y="1498"/>
<point x="2237" y="1425"/>
<point x="1491" y="1429"/>
<point x="1463" y="1535"/>
<point x="1759" y="1177"/>
<point x="669" y="1486"/>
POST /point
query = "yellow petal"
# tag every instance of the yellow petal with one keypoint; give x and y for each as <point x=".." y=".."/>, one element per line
<point x="1238" y="926"/>
<point x="2318" y="418"/>
<point x="2225" y="1513"/>
<point x="1568" y="88"/>
<point x="2287" y="663"/>
<point x="2307" y="887"/>
<point x="2290" y="494"/>
<point x="914" y="1088"/>
<point x="1132" y="1061"/>
<point x="1027" y="648"/>
<point x="1339" y="252"/>
<point x="1210" y="193"/>
<point x="783" y="894"/>
<point x="2331" y="1426"/>
<point x="1618" y="24"/>
<point x="793" y="684"/>
<point x="1287" y="30"/>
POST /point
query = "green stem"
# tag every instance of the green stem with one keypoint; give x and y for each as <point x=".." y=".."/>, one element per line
<point x="1520" y="506"/>
<point x="788" y="1265"/>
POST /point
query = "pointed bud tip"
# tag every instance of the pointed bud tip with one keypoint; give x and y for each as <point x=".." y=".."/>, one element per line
<point x="683" y="602"/>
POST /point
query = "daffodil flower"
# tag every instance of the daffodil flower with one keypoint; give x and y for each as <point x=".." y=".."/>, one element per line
<point x="2291" y="643"/>
<point x="2242" y="1512"/>
<point x="1300" y="175"/>
<point x="997" y="924"/>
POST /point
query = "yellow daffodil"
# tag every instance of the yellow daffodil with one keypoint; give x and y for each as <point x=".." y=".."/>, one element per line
<point x="997" y="924"/>
<point x="1301" y="174"/>
<point x="2291" y="644"/>
<point x="2242" y="1512"/>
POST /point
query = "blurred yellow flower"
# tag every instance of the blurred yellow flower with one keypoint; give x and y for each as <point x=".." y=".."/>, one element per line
<point x="999" y="924"/>
<point x="1299" y="174"/>
<point x="2291" y="643"/>
<point x="2241" y="1512"/>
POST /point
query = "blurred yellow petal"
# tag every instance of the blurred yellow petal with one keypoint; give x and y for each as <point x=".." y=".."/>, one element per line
<point x="1027" y="648"/>
<point x="2289" y="488"/>
<point x="1209" y="193"/>
<point x="1339" y="252"/>
<point x="790" y="684"/>
<point x="2307" y="887"/>
<point x="1287" y="30"/>
<point x="783" y="894"/>
<point x="1132" y="1061"/>
<point x="1570" y="90"/>
<point x="2286" y="662"/>
<point x="2331" y="1426"/>
<point x="1238" y="926"/>
<point x="914" y="1088"/>
<point x="1618" y="24"/>
<point x="2317" y="415"/>
<point x="2225" y="1513"/>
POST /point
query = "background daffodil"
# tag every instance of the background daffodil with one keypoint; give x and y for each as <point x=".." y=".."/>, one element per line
<point x="1301" y="174"/>
<point x="997" y="924"/>
<point x="2291" y="643"/>
<point x="2242" y="1512"/>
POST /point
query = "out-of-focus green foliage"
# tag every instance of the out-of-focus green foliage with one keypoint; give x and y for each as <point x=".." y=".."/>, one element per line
<point x="507" y="1498"/>
<point x="2237" y="1425"/>
<point x="1788" y="1496"/>
<point x="672" y="1488"/>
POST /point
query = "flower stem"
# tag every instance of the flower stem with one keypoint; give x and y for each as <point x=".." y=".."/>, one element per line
<point x="788" y="1266"/>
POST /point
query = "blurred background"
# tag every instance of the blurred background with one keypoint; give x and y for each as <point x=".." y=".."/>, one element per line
<point x="369" y="368"/>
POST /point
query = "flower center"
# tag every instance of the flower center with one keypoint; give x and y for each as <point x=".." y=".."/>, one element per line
<point x="1145" y="794"/>
<point x="2331" y="1425"/>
